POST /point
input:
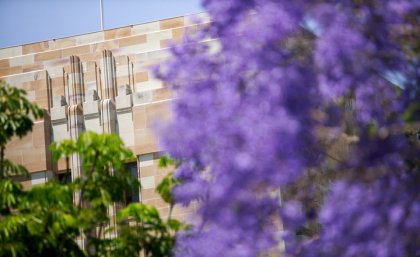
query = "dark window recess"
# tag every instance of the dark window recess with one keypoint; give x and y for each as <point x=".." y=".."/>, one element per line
<point x="64" y="178"/>
<point x="133" y="196"/>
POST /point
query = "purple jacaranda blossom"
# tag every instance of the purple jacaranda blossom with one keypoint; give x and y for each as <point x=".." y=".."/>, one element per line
<point x="370" y="219"/>
<point x="248" y="110"/>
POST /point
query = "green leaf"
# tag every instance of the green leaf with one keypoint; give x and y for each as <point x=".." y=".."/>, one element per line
<point x="166" y="161"/>
<point x="373" y="129"/>
<point x="165" y="188"/>
<point x="174" y="224"/>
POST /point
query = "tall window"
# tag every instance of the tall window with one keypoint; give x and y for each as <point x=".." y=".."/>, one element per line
<point x="132" y="196"/>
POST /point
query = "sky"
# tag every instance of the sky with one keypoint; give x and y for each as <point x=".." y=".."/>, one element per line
<point x="28" y="21"/>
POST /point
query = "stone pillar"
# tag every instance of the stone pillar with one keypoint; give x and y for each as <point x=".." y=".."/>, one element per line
<point x="91" y="112"/>
<point x="59" y="124"/>
<point x="75" y="123"/>
<point x="108" y="122"/>
<point x="59" y="119"/>
<point x="76" y="127"/>
<point x="108" y="116"/>
<point x="124" y="105"/>
<point x="76" y="82"/>
<point x="109" y="75"/>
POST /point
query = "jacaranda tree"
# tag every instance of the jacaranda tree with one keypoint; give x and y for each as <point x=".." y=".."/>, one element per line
<point x="263" y="111"/>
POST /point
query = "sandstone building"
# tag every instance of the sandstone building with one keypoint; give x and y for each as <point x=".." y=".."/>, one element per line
<point x="100" y="82"/>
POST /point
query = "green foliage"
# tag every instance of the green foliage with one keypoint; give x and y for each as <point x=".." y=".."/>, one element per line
<point x="15" y="113"/>
<point x="105" y="179"/>
<point x="10" y="191"/>
<point x="166" y="161"/>
<point x="141" y="226"/>
<point x="49" y="217"/>
<point x="165" y="188"/>
<point x="168" y="182"/>
<point x="12" y="169"/>
<point x="373" y="129"/>
<point x="46" y="220"/>
<point x="32" y="223"/>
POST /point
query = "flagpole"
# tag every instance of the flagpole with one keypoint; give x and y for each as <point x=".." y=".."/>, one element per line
<point x="102" y="13"/>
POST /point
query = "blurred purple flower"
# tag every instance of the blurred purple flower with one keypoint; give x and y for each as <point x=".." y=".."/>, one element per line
<point x="244" y="125"/>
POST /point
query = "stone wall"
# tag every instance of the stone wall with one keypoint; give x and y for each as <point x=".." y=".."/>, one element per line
<point x="100" y="82"/>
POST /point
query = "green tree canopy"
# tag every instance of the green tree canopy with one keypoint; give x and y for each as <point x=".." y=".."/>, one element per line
<point x="48" y="219"/>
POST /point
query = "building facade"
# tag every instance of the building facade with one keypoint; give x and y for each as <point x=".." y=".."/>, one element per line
<point x="99" y="82"/>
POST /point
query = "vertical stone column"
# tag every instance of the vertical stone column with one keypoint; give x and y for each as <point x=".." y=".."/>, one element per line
<point x="75" y="110"/>
<point x="76" y="82"/>
<point x="130" y="74"/>
<point x="75" y="122"/>
<point x="76" y="127"/>
<point x="109" y="75"/>
<point x="108" y="120"/>
<point x="108" y="114"/>
<point x="91" y="112"/>
<point x="59" y="124"/>
<point x="49" y="90"/>
<point x="125" y="124"/>
<point x="98" y="79"/>
<point x="59" y="118"/>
